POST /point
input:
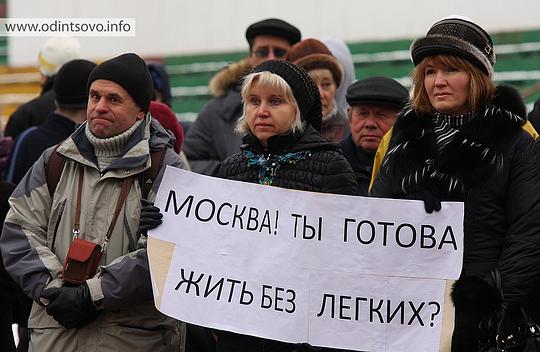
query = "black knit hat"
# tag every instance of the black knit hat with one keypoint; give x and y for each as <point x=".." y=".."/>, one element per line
<point x="274" y="27"/>
<point x="70" y="89"/>
<point x="459" y="37"/>
<point x="130" y="72"/>
<point x="377" y="90"/>
<point x="304" y="89"/>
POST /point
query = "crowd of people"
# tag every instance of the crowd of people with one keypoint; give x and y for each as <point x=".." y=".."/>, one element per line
<point x="89" y="154"/>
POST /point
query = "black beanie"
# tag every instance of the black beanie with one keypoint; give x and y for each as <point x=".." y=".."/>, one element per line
<point x="377" y="90"/>
<point x="304" y="89"/>
<point x="274" y="27"/>
<point x="131" y="73"/>
<point x="70" y="89"/>
<point x="459" y="37"/>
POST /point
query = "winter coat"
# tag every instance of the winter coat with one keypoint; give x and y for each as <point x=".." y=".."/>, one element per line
<point x="13" y="302"/>
<point x="211" y="138"/>
<point x="493" y="166"/>
<point x="51" y="132"/>
<point x="319" y="167"/>
<point x="361" y="162"/>
<point x="38" y="232"/>
<point x="32" y="113"/>
<point x="305" y="161"/>
<point x="336" y="127"/>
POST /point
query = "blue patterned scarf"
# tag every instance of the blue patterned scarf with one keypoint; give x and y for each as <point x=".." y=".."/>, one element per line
<point x="269" y="164"/>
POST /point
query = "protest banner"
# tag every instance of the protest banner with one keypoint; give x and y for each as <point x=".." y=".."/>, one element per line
<point x="330" y="270"/>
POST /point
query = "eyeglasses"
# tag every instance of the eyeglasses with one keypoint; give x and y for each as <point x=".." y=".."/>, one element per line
<point x="265" y="51"/>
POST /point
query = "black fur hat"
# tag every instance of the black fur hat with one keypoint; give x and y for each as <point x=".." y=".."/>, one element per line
<point x="304" y="89"/>
<point x="460" y="37"/>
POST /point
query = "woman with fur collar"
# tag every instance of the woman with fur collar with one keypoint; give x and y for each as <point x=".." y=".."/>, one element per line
<point x="462" y="139"/>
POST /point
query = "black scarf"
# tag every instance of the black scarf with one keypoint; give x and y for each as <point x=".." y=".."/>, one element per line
<point x="452" y="159"/>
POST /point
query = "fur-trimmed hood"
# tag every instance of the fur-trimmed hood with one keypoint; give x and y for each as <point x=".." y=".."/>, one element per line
<point x="471" y="155"/>
<point x="229" y="76"/>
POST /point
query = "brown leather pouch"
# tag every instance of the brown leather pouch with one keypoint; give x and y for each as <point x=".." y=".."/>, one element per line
<point x="82" y="261"/>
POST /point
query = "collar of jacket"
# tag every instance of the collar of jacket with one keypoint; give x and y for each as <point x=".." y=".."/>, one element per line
<point x="56" y="119"/>
<point x="474" y="151"/>
<point x="231" y="106"/>
<point x="135" y="156"/>
<point x="229" y="77"/>
<point x="360" y="159"/>
<point x="309" y="139"/>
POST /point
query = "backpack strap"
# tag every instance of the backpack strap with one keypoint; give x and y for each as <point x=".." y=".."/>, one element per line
<point x="55" y="167"/>
<point x="53" y="170"/>
<point x="149" y="175"/>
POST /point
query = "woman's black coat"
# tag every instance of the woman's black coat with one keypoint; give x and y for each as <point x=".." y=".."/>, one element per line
<point x="493" y="165"/>
<point x="324" y="169"/>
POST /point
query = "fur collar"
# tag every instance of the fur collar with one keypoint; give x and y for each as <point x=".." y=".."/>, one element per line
<point x="475" y="150"/>
<point x="229" y="76"/>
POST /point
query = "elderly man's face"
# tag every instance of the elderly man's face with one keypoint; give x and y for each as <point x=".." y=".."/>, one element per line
<point x="111" y="110"/>
<point x="369" y="123"/>
<point x="268" y="47"/>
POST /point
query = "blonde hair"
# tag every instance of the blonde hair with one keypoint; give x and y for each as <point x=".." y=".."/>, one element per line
<point x="481" y="87"/>
<point x="267" y="80"/>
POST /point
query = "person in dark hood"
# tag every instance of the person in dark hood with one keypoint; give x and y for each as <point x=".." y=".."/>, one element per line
<point x="211" y="138"/>
<point x="463" y="139"/>
<point x="160" y="81"/>
<point x="71" y="98"/>
<point x="55" y="52"/>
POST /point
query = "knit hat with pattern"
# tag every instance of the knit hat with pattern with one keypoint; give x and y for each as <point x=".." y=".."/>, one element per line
<point x="304" y="89"/>
<point x="457" y="36"/>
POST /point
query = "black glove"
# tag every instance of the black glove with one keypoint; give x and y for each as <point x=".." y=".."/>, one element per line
<point x="150" y="217"/>
<point x="72" y="307"/>
<point x="431" y="200"/>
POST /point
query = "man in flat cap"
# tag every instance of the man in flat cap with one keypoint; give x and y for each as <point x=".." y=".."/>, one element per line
<point x="105" y="173"/>
<point x="373" y="106"/>
<point x="211" y="138"/>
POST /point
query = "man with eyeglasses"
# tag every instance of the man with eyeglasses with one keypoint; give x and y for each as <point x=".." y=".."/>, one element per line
<point x="211" y="138"/>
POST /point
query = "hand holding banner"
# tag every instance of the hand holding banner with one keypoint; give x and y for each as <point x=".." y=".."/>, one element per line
<point x="330" y="270"/>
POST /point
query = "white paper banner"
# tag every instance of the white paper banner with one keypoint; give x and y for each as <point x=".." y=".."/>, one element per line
<point x="303" y="267"/>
